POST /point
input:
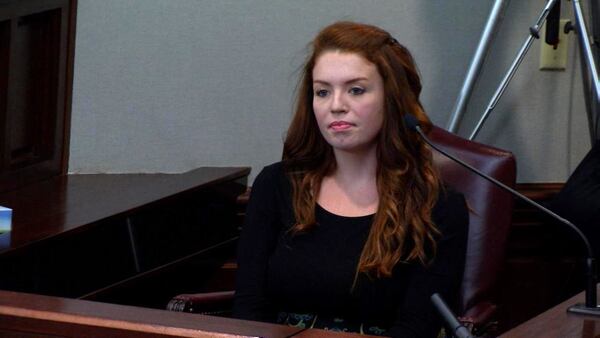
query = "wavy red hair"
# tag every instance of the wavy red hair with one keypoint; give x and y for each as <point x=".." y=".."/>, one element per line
<point x="407" y="182"/>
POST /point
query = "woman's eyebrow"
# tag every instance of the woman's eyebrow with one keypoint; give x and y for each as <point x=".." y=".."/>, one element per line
<point x="357" y="79"/>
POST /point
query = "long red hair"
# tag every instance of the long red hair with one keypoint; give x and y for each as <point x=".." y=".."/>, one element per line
<point x="407" y="182"/>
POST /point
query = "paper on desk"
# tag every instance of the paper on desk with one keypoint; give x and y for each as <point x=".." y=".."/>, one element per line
<point x="5" y="219"/>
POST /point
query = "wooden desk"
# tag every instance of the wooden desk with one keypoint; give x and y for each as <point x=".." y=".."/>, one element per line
<point x="557" y="323"/>
<point x="114" y="237"/>
<point x="25" y="315"/>
<point x="72" y="203"/>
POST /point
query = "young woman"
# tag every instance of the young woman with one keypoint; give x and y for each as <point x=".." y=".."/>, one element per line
<point x="353" y="230"/>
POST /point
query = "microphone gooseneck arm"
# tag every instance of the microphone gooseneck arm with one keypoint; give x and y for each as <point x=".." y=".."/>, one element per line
<point x="590" y="290"/>
<point x="458" y="330"/>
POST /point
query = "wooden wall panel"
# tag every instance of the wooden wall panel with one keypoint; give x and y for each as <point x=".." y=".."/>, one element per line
<point x="4" y="50"/>
<point x="544" y="260"/>
<point x="36" y="57"/>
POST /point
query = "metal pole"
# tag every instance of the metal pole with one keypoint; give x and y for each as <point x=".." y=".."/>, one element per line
<point x="595" y="14"/>
<point x="533" y="34"/>
<point x="587" y="95"/>
<point x="587" y="57"/>
<point x="584" y="40"/>
<point x="489" y="31"/>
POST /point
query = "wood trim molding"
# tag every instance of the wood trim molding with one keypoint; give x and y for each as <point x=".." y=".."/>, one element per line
<point x="72" y="23"/>
<point x="539" y="191"/>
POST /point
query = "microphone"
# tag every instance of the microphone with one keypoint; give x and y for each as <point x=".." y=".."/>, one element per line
<point x="458" y="330"/>
<point x="553" y="25"/>
<point x="590" y="307"/>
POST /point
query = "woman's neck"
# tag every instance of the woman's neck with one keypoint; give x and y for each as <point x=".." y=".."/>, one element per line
<point x="351" y="190"/>
<point x="355" y="167"/>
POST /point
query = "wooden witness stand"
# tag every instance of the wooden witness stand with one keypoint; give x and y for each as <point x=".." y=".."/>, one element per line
<point x="64" y="210"/>
<point x="25" y="315"/>
<point x="39" y="256"/>
<point x="41" y="316"/>
<point x="557" y="323"/>
<point x="119" y="238"/>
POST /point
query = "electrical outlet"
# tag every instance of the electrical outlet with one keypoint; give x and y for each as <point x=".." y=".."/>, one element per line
<point x="554" y="58"/>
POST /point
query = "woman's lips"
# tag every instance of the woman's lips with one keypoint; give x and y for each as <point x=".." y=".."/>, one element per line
<point x="340" y="125"/>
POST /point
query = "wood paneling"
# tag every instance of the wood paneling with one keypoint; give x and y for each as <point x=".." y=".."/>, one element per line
<point x="36" y="63"/>
<point x="134" y="239"/>
<point x="544" y="261"/>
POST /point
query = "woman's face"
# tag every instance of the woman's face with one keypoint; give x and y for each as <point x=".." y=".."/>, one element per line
<point x="348" y="100"/>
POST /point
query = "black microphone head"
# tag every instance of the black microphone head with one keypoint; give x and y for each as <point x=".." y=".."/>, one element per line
<point x="411" y="122"/>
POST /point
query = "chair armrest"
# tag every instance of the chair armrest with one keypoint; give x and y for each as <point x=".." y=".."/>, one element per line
<point x="480" y="319"/>
<point x="210" y="303"/>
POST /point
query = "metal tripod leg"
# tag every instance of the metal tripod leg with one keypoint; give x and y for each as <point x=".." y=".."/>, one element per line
<point x="476" y="64"/>
<point x="591" y="83"/>
<point x="533" y="34"/>
<point x="595" y="14"/>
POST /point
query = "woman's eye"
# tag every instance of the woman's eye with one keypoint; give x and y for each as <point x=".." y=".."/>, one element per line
<point x="357" y="90"/>
<point x="321" y="93"/>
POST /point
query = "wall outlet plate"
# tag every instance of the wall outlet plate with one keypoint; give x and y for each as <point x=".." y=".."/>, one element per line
<point x="554" y="58"/>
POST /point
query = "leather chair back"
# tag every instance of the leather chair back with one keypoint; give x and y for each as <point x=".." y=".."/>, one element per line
<point x="490" y="213"/>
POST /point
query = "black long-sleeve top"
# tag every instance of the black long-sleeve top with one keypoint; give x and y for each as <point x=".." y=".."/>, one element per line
<point x="313" y="272"/>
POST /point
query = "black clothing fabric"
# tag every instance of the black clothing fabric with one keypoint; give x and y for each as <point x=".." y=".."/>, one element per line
<point x="314" y="272"/>
<point x="579" y="199"/>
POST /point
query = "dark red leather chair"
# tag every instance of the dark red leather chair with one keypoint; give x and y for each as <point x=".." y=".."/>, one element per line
<point x="489" y="222"/>
<point x="490" y="218"/>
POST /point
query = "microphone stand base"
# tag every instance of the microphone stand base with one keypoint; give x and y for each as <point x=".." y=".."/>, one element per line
<point x="581" y="309"/>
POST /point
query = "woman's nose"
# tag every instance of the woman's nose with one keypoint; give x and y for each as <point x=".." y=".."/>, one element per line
<point x="338" y="104"/>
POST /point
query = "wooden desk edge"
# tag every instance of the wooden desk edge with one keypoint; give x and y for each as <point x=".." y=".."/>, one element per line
<point x="88" y="315"/>
<point x="127" y="318"/>
<point x="555" y="322"/>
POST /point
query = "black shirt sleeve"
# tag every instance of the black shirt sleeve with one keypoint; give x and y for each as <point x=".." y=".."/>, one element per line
<point x="416" y="316"/>
<point x="258" y="238"/>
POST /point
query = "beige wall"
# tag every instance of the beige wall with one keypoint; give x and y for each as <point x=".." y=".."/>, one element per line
<point x="169" y="85"/>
